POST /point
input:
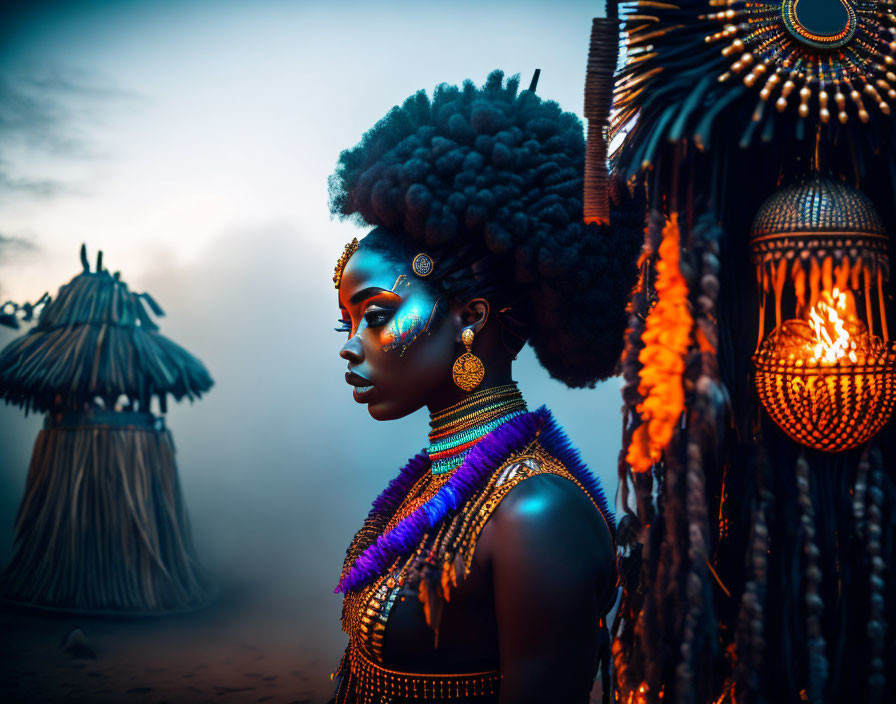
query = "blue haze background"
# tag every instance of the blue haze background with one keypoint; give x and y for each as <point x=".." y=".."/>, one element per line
<point x="191" y="142"/>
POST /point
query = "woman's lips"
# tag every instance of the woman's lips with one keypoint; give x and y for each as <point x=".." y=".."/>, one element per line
<point x="361" y="393"/>
<point x="363" y="387"/>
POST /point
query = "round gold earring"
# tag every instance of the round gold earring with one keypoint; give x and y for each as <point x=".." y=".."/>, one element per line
<point x="468" y="370"/>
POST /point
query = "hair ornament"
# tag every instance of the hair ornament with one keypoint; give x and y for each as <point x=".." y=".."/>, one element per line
<point x="423" y="265"/>
<point x="350" y="249"/>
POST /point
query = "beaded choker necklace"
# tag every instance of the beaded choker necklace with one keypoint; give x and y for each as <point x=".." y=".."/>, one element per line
<point x="375" y="550"/>
<point x="456" y="430"/>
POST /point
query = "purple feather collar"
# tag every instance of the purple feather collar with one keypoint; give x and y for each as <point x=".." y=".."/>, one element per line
<point x="485" y="457"/>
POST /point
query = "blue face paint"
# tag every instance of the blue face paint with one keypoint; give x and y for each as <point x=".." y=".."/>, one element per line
<point x="412" y="318"/>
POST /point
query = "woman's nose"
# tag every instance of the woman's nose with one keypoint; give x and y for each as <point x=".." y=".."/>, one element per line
<point x="352" y="350"/>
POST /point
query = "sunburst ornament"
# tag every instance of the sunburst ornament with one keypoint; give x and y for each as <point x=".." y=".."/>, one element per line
<point x="832" y="53"/>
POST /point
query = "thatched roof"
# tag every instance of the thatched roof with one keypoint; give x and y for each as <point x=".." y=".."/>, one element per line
<point x="96" y="339"/>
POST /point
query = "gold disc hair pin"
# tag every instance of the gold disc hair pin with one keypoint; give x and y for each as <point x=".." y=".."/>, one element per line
<point x="468" y="370"/>
<point x="422" y="265"/>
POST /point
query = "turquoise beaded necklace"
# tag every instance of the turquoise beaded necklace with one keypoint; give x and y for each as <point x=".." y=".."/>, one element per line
<point x="472" y="422"/>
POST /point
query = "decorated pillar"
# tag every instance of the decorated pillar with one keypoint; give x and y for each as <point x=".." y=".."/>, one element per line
<point x="758" y="470"/>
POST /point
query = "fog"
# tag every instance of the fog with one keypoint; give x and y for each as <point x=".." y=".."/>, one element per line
<point x="278" y="463"/>
<point x="192" y="144"/>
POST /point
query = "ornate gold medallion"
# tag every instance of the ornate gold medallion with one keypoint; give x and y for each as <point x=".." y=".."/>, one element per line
<point x="468" y="370"/>
<point x="423" y="265"/>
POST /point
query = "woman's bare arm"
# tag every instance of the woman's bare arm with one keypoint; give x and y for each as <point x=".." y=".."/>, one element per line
<point x="553" y="566"/>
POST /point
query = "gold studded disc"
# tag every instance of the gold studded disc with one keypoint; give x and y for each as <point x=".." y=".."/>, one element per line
<point x="468" y="371"/>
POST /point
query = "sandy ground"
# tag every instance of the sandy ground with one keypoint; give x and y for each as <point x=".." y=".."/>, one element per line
<point x="238" y="650"/>
<point x="230" y="652"/>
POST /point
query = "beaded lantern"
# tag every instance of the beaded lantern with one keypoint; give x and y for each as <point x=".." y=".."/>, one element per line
<point x="826" y="375"/>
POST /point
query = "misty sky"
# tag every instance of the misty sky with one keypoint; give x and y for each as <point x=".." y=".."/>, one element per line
<point x="191" y="142"/>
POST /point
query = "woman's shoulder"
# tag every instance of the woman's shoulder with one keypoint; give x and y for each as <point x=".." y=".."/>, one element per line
<point x="535" y="492"/>
<point x="536" y="484"/>
<point x="546" y="522"/>
<point x="545" y="497"/>
<point x="535" y="499"/>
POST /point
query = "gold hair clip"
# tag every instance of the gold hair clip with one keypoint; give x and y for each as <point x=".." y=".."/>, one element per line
<point x="350" y="249"/>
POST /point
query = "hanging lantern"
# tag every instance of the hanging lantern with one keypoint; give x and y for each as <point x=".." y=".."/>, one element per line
<point x="827" y="373"/>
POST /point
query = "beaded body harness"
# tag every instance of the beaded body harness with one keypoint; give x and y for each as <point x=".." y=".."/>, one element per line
<point x="521" y="446"/>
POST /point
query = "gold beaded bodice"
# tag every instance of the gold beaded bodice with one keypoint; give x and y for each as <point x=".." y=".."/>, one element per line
<point x="441" y="560"/>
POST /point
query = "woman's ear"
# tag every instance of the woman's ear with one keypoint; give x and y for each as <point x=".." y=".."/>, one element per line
<point x="474" y="314"/>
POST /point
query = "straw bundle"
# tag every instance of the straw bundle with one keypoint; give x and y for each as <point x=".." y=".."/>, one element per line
<point x="102" y="527"/>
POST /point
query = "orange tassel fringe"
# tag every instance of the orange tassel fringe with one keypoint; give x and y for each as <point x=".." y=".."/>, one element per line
<point x="667" y="336"/>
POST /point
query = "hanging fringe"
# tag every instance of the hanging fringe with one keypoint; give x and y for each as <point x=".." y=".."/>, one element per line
<point x="102" y="528"/>
<point x="818" y="664"/>
<point x="666" y="339"/>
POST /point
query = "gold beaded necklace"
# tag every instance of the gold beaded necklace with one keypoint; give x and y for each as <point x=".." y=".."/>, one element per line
<point x="458" y="428"/>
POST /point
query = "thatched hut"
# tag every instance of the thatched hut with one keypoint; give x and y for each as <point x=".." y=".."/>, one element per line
<point x="102" y="527"/>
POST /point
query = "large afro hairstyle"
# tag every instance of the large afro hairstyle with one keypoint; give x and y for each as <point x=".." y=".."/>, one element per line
<point x="491" y="180"/>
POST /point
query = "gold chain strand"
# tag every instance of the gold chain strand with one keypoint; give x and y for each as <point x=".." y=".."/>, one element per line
<point x="473" y="399"/>
<point x="497" y="404"/>
<point x="477" y="396"/>
<point x="479" y="416"/>
<point x="472" y="409"/>
<point x="484" y="404"/>
<point x="446" y="416"/>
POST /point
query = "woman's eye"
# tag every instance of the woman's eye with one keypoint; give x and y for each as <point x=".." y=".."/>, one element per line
<point x="376" y="317"/>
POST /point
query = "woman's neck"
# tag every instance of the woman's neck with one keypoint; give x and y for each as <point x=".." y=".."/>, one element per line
<point x="456" y="430"/>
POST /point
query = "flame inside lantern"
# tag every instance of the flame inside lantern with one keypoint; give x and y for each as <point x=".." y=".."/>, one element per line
<point x="825" y="373"/>
<point x="829" y="334"/>
<point x="827" y="319"/>
<point x="824" y="378"/>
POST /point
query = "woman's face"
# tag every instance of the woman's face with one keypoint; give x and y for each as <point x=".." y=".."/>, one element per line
<point x="399" y="352"/>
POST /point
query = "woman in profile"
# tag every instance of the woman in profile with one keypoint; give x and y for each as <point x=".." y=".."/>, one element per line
<point x="484" y="569"/>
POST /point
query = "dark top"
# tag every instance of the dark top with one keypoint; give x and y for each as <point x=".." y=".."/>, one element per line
<point x="541" y="577"/>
